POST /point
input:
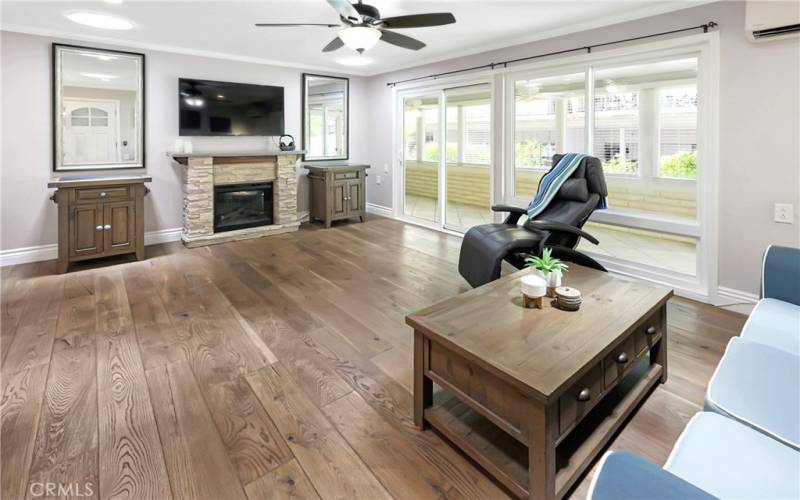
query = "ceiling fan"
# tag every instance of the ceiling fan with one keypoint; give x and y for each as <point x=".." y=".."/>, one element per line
<point x="364" y="26"/>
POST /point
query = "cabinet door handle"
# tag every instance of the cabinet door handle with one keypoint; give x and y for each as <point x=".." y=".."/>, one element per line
<point x="622" y="358"/>
<point x="650" y="330"/>
<point x="103" y="194"/>
<point x="99" y="228"/>
<point x="585" y="395"/>
<point x="107" y="227"/>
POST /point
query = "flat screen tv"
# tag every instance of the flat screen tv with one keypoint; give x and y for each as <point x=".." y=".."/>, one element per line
<point x="229" y="109"/>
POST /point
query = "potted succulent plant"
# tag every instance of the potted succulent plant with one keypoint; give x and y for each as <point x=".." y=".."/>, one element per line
<point x="549" y="268"/>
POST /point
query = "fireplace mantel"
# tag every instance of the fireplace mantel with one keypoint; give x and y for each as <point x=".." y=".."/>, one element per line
<point x="204" y="170"/>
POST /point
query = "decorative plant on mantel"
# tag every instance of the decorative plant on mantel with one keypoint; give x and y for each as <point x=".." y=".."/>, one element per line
<point x="548" y="267"/>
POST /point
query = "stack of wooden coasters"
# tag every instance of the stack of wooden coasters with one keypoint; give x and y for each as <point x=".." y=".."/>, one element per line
<point x="568" y="298"/>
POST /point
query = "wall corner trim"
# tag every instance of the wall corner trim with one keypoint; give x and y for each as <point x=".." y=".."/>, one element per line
<point x="26" y="255"/>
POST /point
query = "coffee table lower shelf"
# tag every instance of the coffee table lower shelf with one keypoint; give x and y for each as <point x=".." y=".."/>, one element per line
<point x="506" y="458"/>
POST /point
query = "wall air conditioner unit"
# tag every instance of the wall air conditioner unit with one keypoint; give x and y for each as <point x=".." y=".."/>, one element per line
<point x="771" y="20"/>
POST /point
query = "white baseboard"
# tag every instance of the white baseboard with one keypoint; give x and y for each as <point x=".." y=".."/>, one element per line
<point x="735" y="300"/>
<point x="50" y="252"/>
<point x="372" y="208"/>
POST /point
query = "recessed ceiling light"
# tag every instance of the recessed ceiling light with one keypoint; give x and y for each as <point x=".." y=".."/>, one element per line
<point x="102" y="21"/>
<point x="355" y="61"/>
<point x="220" y="96"/>
<point x="114" y="2"/>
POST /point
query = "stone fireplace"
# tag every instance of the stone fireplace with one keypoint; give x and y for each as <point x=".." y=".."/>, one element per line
<point x="239" y="185"/>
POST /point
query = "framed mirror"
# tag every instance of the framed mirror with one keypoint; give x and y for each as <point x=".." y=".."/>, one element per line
<point x="98" y="109"/>
<point x="326" y="116"/>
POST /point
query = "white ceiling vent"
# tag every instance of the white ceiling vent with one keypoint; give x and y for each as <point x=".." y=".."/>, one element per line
<point x="772" y="20"/>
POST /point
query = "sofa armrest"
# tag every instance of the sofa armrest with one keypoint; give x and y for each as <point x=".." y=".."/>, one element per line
<point x="780" y="274"/>
<point x="621" y="475"/>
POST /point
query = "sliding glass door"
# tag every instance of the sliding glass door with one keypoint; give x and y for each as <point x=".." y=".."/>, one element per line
<point x="468" y="157"/>
<point x="447" y="156"/>
<point x="421" y="157"/>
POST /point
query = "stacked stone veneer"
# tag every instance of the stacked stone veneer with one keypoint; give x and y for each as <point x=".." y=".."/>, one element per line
<point x="201" y="174"/>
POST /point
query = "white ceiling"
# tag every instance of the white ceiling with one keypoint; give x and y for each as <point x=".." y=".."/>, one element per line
<point x="225" y="29"/>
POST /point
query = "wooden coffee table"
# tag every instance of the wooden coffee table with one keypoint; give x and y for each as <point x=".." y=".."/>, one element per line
<point x="534" y="395"/>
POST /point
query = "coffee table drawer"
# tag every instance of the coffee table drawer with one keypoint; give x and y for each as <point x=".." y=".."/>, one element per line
<point x="646" y="335"/>
<point x="505" y="404"/>
<point x="617" y="362"/>
<point x="579" y="399"/>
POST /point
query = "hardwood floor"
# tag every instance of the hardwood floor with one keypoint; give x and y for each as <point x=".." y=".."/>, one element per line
<point x="271" y="368"/>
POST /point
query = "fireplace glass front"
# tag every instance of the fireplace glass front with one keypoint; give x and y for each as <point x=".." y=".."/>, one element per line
<point x="242" y="205"/>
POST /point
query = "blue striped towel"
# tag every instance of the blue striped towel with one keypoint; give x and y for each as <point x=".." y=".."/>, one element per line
<point x="552" y="182"/>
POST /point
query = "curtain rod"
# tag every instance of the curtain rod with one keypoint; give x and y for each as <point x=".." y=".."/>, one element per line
<point x="588" y="48"/>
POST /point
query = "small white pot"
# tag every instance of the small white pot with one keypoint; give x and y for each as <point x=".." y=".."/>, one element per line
<point x="553" y="279"/>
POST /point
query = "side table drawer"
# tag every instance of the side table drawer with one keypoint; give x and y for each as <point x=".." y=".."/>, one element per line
<point x="345" y="175"/>
<point x="579" y="399"/>
<point x="116" y="193"/>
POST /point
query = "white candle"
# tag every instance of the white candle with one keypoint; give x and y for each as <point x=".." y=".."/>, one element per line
<point x="533" y="286"/>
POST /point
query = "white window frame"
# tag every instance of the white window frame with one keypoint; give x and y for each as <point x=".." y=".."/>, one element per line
<point x="705" y="47"/>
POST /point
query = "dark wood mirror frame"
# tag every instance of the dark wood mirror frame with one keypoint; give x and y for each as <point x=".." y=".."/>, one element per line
<point x="56" y="100"/>
<point x="303" y="140"/>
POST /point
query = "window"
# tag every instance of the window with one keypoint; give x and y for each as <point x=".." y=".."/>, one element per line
<point x="549" y="117"/>
<point x="678" y="133"/>
<point x="616" y="127"/>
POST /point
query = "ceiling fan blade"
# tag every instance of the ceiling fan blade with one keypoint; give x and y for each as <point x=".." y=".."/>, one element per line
<point x="289" y="25"/>
<point x="419" y="20"/>
<point x="401" y="40"/>
<point x="346" y="10"/>
<point x="334" y="44"/>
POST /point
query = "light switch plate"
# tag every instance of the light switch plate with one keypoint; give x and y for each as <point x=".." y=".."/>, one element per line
<point x="385" y="168"/>
<point x="378" y="179"/>
<point x="784" y="213"/>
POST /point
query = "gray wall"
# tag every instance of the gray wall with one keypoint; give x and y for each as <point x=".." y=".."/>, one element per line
<point x="758" y="135"/>
<point x="28" y="217"/>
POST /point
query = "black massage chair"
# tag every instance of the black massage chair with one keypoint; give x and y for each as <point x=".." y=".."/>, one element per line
<point x="558" y="227"/>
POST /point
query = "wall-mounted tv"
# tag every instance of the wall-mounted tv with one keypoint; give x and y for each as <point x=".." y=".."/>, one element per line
<point x="229" y="109"/>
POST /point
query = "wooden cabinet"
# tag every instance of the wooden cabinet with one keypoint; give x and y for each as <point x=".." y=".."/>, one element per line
<point x="337" y="192"/>
<point x="99" y="217"/>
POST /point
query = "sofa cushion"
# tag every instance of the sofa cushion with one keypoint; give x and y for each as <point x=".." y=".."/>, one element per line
<point x="775" y="323"/>
<point x="623" y="475"/>
<point x="758" y="385"/>
<point x="730" y="460"/>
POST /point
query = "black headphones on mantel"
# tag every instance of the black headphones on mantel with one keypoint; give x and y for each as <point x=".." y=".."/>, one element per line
<point x="286" y="143"/>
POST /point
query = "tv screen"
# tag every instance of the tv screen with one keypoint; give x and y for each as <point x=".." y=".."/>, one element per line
<point x="222" y="108"/>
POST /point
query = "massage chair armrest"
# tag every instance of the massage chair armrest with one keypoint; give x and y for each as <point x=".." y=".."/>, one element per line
<point x="559" y="227"/>
<point x="514" y="213"/>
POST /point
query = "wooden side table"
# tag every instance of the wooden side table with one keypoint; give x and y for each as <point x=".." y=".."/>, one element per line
<point x="337" y="192"/>
<point x="99" y="217"/>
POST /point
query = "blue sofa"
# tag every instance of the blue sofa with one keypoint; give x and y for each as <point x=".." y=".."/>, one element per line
<point x="746" y="442"/>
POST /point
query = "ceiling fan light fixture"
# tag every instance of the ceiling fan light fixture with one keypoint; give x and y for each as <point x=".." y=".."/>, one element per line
<point x="359" y="38"/>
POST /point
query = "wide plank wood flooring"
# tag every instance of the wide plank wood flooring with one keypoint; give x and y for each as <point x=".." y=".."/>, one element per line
<point x="271" y="368"/>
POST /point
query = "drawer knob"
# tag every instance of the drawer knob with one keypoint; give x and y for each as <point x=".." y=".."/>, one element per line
<point x="585" y="395"/>
<point x="622" y="358"/>
<point x="99" y="228"/>
<point x="107" y="227"/>
<point x="650" y="330"/>
<point x="103" y="194"/>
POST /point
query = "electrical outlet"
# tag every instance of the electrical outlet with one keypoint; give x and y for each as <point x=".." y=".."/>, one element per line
<point x="378" y="180"/>
<point x="385" y="168"/>
<point x="784" y="213"/>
